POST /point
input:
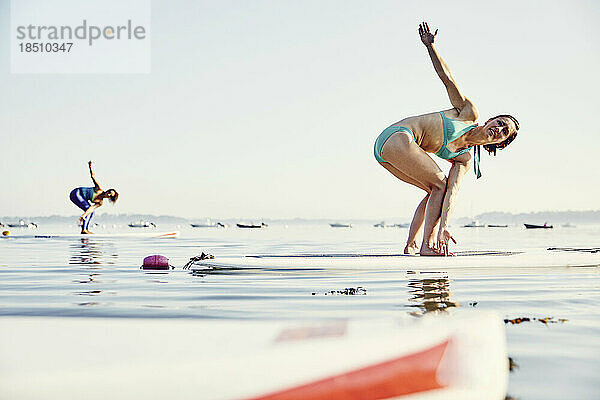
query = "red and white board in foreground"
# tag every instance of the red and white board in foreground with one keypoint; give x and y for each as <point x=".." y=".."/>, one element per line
<point x="458" y="356"/>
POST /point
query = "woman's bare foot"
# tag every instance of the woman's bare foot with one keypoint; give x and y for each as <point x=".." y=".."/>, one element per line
<point x="411" y="249"/>
<point x="86" y="232"/>
<point x="429" y="251"/>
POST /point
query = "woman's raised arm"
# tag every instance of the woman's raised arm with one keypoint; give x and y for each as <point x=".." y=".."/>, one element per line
<point x="93" y="176"/>
<point x="457" y="99"/>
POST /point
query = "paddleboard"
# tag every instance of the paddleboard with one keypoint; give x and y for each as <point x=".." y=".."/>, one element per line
<point x="171" y="234"/>
<point x="534" y="258"/>
<point x="457" y="356"/>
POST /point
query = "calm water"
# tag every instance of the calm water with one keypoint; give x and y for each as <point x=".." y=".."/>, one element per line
<point x="91" y="277"/>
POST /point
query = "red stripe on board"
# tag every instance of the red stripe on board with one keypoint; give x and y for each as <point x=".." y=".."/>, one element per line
<point x="405" y="375"/>
<point x="168" y="234"/>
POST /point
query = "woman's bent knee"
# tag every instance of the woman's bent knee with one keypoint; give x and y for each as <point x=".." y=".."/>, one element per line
<point x="438" y="185"/>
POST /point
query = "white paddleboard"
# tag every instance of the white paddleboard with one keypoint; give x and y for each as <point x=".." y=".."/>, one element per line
<point x="535" y="258"/>
<point x="171" y="234"/>
<point x="458" y="356"/>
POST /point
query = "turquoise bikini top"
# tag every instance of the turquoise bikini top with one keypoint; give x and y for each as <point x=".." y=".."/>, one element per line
<point x="454" y="129"/>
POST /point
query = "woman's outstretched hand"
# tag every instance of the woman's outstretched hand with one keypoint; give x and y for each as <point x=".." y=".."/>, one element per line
<point x="443" y="240"/>
<point x="426" y="36"/>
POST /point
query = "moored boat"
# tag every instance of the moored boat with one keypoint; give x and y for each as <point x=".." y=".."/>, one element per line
<point x="262" y="225"/>
<point x="533" y="226"/>
<point x="23" y="224"/>
<point x="338" y="225"/>
<point x="142" y="224"/>
<point x="208" y="225"/>
<point x="382" y="224"/>
<point x="474" y="224"/>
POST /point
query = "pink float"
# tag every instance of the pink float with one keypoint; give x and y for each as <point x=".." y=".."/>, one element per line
<point x="156" y="262"/>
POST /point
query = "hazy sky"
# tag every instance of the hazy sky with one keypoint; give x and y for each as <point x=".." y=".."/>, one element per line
<point x="271" y="108"/>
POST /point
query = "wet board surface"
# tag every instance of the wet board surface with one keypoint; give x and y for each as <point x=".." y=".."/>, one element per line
<point x="555" y="257"/>
<point x="456" y="356"/>
<point x="171" y="234"/>
<point x="364" y="255"/>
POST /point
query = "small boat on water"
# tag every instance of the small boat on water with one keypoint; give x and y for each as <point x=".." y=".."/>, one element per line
<point x="142" y="224"/>
<point x="22" y="224"/>
<point x="383" y="225"/>
<point x="338" y="225"/>
<point x="262" y="225"/>
<point x="532" y="226"/>
<point x="474" y="224"/>
<point x="497" y="226"/>
<point x="216" y="225"/>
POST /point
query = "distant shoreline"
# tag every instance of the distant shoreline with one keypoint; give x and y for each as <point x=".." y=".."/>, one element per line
<point x="496" y="217"/>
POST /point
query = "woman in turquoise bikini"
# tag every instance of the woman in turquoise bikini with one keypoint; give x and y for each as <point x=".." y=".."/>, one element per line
<point x="450" y="134"/>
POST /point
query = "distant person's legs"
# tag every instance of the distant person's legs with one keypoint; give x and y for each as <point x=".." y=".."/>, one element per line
<point x="86" y="222"/>
<point x="77" y="199"/>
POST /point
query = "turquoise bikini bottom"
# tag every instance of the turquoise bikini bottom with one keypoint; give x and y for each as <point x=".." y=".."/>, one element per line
<point x="385" y="135"/>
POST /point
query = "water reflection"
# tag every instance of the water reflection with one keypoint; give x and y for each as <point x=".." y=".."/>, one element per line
<point x="89" y="293"/>
<point x="90" y="253"/>
<point x="430" y="295"/>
